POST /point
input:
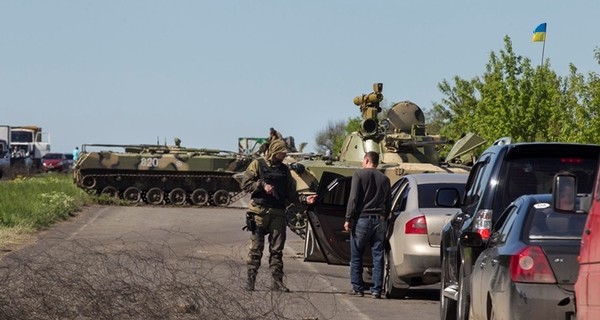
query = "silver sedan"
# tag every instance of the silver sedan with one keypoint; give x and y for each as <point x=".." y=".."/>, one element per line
<point x="422" y="204"/>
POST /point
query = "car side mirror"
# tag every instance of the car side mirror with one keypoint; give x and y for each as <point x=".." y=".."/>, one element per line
<point x="447" y="198"/>
<point x="471" y="239"/>
<point x="564" y="192"/>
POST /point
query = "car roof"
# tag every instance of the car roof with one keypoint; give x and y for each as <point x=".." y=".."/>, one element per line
<point x="426" y="178"/>
<point x="536" y="147"/>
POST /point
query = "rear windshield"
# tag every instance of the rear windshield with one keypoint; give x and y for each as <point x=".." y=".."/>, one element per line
<point x="546" y="223"/>
<point x="534" y="175"/>
<point x="427" y="193"/>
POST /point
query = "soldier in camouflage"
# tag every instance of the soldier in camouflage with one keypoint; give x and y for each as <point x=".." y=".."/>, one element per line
<point x="272" y="189"/>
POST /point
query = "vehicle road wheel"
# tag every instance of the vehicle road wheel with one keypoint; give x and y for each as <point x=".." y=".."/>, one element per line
<point x="177" y="196"/>
<point x="200" y="197"/>
<point x="155" y="196"/>
<point x="464" y="300"/>
<point x="132" y="194"/>
<point x="447" y="305"/>
<point x="296" y="219"/>
<point x="110" y="191"/>
<point x="389" y="275"/>
<point x="221" y="198"/>
<point x="88" y="182"/>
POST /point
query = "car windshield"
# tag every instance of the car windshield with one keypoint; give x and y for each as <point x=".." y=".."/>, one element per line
<point x="427" y="193"/>
<point x="549" y="224"/>
<point x="21" y="136"/>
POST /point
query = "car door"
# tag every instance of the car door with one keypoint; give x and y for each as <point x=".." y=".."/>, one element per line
<point x="587" y="293"/>
<point x="399" y="198"/>
<point x="473" y="190"/>
<point x="326" y="239"/>
<point x="485" y="269"/>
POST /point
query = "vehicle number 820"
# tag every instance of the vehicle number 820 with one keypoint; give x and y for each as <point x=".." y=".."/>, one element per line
<point x="149" y="162"/>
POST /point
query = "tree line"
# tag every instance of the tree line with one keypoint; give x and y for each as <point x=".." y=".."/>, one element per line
<point x="512" y="98"/>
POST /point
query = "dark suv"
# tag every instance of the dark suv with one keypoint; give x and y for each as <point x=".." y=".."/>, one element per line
<point x="502" y="173"/>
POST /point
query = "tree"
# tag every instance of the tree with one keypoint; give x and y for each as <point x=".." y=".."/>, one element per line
<point x="331" y="137"/>
<point x="514" y="99"/>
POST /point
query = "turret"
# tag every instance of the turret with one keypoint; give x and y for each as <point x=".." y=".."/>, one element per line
<point x="399" y="138"/>
<point x="370" y="109"/>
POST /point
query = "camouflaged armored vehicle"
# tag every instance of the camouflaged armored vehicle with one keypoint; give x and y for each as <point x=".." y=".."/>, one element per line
<point x="158" y="174"/>
<point x="400" y="139"/>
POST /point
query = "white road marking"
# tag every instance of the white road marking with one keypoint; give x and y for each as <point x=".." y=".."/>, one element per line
<point x="101" y="211"/>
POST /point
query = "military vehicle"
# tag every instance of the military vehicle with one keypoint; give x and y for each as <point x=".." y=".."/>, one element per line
<point x="160" y="174"/>
<point x="400" y="139"/>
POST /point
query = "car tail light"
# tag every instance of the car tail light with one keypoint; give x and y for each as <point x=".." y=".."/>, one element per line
<point x="483" y="223"/>
<point x="531" y="265"/>
<point x="417" y="225"/>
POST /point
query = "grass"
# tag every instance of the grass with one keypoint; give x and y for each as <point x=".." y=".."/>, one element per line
<point x="33" y="203"/>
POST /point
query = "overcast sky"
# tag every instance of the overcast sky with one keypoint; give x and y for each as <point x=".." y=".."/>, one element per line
<point x="210" y="72"/>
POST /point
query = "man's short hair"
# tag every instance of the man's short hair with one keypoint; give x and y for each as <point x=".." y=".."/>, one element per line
<point x="373" y="157"/>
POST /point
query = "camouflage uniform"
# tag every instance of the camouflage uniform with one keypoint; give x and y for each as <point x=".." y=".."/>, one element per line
<point x="269" y="212"/>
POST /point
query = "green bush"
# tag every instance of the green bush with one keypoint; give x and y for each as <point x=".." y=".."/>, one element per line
<point x="37" y="202"/>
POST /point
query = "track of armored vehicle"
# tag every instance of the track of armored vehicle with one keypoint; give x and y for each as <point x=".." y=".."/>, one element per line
<point x="159" y="175"/>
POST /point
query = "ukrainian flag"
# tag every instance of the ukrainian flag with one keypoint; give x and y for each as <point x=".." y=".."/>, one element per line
<point x="539" y="34"/>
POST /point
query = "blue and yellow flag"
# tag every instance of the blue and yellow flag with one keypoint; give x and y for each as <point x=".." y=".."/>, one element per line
<point x="539" y="34"/>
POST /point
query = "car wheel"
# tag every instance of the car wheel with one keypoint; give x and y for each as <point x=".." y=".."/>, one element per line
<point x="464" y="299"/>
<point x="447" y="305"/>
<point x="389" y="275"/>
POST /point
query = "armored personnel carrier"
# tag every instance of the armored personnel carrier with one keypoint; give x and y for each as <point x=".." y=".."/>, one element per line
<point x="400" y="139"/>
<point x="157" y="174"/>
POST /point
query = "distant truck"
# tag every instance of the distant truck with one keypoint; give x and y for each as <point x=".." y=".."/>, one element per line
<point x="28" y="145"/>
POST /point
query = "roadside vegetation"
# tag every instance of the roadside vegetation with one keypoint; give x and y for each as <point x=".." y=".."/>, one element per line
<point x="30" y="204"/>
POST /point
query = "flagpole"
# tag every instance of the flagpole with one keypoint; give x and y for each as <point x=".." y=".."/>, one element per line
<point x="535" y="106"/>
<point x="543" y="48"/>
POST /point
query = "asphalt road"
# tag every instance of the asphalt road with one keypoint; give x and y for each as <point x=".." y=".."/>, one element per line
<point x="191" y="260"/>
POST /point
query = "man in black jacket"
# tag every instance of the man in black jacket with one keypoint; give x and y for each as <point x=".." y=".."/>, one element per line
<point x="370" y="201"/>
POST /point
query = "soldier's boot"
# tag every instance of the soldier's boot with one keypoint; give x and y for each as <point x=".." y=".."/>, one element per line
<point x="251" y="280"/>
<point x="277" y="285"/>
